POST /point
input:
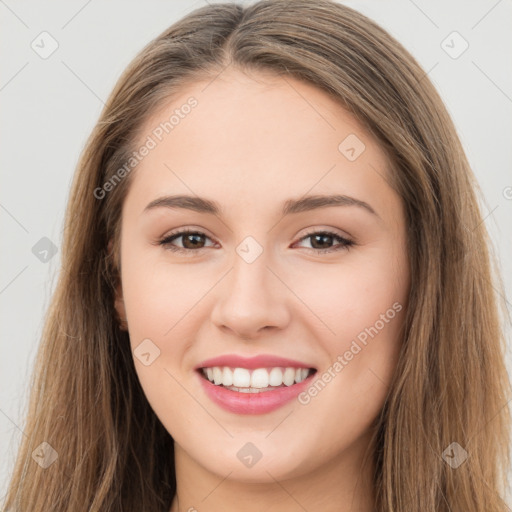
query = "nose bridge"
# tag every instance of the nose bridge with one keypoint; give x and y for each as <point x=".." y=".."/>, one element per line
<point x="251" y="280"/>
<point x="250" y="266"/>
<point x="250" y="277"/>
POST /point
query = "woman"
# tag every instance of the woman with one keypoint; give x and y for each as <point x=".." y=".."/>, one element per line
<point x="198" y="355"/>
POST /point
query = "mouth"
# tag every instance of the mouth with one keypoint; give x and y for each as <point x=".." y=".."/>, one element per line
<point x="257" y="380"/>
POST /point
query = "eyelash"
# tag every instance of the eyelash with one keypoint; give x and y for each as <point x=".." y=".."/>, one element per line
<point x="345" y="243"/>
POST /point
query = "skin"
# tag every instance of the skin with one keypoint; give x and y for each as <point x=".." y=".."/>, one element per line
<point x="253" y="142"/>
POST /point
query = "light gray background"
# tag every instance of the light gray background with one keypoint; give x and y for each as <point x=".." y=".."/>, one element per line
<point x="49" y="106"/>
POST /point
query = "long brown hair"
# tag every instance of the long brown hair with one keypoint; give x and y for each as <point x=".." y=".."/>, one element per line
<point x="451" y="384"/>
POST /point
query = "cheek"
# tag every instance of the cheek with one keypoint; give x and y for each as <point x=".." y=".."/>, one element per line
<point x="159" y="302"/>
<point x="158" y="295"/>
<point x="364" y="306"/>
<point x="351" y="296"/>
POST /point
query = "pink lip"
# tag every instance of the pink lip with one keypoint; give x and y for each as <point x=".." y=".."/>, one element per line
<point x="252" y="403"/>
<point x="261" y="361"/>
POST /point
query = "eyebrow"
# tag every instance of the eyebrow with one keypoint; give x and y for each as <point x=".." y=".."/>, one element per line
<point x="291" y="206"/>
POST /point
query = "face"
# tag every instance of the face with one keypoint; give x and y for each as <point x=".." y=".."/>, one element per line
<point x="272" y="281"/>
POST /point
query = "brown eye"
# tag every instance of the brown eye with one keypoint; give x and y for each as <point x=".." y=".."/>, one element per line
<point x="321" y="241"/>
<point x="190" y="240"/>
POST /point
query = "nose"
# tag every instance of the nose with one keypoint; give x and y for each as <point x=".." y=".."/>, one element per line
<point x="251" y="300"/>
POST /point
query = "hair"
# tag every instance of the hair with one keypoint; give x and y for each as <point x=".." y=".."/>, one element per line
<point x="450" y="384"/>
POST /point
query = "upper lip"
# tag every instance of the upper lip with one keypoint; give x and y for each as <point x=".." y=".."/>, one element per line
<point x="260" y="361"/>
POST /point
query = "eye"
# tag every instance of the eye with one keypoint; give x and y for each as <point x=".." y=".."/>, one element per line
<point x="190" y="240"/>
<point x="195" y="240"/>
<point x="321" y="239"/>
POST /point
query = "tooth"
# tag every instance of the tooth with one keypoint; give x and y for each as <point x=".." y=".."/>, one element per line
<point x="259" y="378"/>
<point x="227" y="376"/>
<point x="217" y="375"/>
<point x="289" y="376"/>
<point x="241" y="378"/>
<point x="275" y="377"/>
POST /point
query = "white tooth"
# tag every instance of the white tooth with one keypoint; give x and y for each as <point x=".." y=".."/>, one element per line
<point x="241" y="378"/>
<point x="217" y="375"/>
<point x="209" y="374"/>
<point x="275" y="377"/>
<point x="289" y="376"/>
<point x="259" y="378"/>
<point x="298" y="375"/>
<point x="244" y="390"/>
<point x="304" y="372"/>
<point x="227" y="376"/>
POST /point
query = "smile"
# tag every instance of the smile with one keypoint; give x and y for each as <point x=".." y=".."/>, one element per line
<point x="244" y="380"/>
<point x="253" y="385"/>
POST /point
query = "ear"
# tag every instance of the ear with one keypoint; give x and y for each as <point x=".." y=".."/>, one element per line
<point x="119" y="299"/>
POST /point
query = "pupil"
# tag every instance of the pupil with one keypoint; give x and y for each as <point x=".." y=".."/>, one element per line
<point x="188" y="238"/>
<point x="322" y="237"/>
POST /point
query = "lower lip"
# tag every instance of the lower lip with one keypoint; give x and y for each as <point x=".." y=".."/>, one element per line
<point x="253" y="403"/>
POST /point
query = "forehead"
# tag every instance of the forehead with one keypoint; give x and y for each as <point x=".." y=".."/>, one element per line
<point x="257" y="137"/>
